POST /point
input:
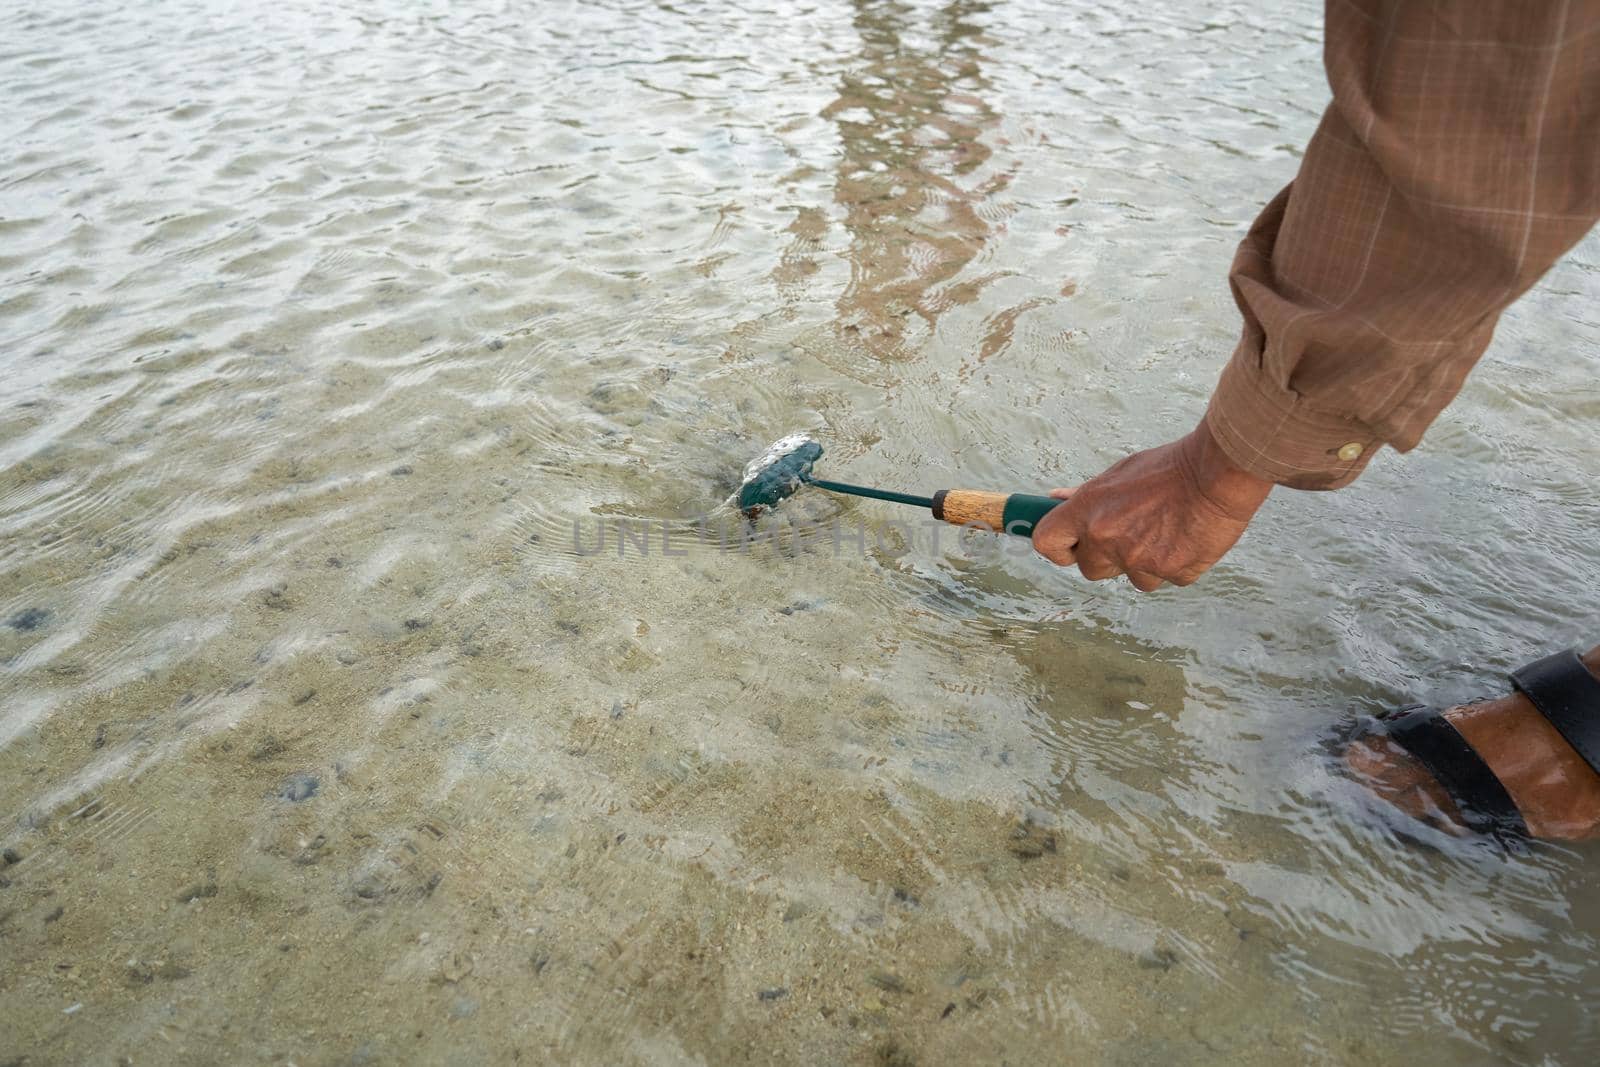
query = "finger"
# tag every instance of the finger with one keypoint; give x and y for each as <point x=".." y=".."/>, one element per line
<point x="1064" y="494"/>
<point x="1062" y="551"/>
<point x="1098" y="568"/>
<point x="1144" y="581"/>
<point x="1055" y="537"/>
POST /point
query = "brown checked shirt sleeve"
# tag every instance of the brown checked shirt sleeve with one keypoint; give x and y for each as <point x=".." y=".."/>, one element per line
<point x="1459" y="159"/>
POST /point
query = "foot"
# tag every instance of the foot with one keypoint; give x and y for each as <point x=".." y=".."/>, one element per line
<point x="1556" y="791"/>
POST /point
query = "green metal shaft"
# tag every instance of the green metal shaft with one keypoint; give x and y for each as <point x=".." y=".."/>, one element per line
<point x="875" y="494"/>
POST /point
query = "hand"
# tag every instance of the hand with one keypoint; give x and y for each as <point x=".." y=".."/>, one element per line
<point x="1163" y="515"/>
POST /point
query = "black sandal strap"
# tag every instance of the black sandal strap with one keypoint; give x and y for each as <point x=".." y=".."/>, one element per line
<point x="1564" y="691"/>
<point x="1483" y="802"/>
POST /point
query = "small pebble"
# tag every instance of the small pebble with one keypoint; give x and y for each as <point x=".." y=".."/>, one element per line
<point x="887" y="981"/>
<point x="11" y="856"/>
<point x="401" y="471"/>
<point x="28" y="618"/>
<point x="456" y="967"/>
<point x="370" y="888"/>
<point x="298" y="787"/>
<point x="1029" y="842"/>
<point x="198" y="891"/>
<point x="773" y="994"/>
<point x="1158" y="959"/>
<point x="311" y="852"/>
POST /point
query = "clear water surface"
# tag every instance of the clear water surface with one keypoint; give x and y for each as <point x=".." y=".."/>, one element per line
<point x="324" y="740"/>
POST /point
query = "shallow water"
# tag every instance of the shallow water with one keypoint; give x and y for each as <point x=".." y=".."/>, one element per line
<point x="335" y="339"/>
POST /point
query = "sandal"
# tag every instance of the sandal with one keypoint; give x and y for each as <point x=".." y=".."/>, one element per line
<point x="1559" y="687"/>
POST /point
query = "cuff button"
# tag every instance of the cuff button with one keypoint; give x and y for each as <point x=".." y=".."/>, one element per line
<point x="1351" y="452"/>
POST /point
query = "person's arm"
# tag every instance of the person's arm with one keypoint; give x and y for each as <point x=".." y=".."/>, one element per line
<point x="1459" y="159"/>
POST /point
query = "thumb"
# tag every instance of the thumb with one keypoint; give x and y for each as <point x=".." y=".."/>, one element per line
<point x="1064" y="494"/>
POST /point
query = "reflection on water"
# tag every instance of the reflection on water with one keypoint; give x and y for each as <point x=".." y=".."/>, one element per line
<point x="321" y="741"/>
<point x="915" y="175"/>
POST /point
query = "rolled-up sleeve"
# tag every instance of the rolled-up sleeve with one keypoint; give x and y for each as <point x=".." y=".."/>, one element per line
<point x="1459" y="159"/>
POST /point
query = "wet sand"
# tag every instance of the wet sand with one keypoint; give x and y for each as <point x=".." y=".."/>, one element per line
<point x="328" y="735"/>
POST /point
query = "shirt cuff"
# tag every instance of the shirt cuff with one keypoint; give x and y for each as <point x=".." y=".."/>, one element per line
<point x="1272" y="433"/>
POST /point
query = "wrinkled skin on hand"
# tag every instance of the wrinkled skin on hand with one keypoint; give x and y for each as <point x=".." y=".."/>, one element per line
<point x="1163" y="515"/>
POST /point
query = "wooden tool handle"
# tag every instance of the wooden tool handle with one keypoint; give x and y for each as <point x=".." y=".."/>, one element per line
<point x="1012" y="513"/>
